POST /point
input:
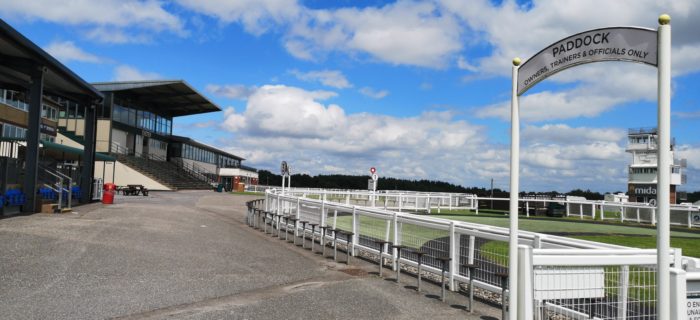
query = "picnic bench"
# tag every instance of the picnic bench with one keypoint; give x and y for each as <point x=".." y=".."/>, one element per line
<point x="134" y="190"/>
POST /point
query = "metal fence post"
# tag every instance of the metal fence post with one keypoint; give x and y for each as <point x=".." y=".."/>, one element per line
<point x="296" y="226"/>
<point x="454" y="255"/>
<point x="323" y="223"/>
<point x="679" y="291"/>
<point x="396" y="240"/>
<point x="690" y="218"/>
<point x="267" y="198"/>
<point x="623" y="287"/>
<point x="355" y="230"/>
<point x="525" y="284"/>
<point x="622" y="213"/>
<point x="470" y="256"/>
<point x="527" y="209"/>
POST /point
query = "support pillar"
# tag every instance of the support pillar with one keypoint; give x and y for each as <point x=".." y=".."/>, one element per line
<point x="36" y="94"/>
<point x="87" y="166"/>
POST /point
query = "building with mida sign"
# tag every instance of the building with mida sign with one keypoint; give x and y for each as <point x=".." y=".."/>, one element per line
<point x="643" y="175"/>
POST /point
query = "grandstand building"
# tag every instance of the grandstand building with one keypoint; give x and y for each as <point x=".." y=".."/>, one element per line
<point x="642" y="181"/>
<point x="59" y="135"/>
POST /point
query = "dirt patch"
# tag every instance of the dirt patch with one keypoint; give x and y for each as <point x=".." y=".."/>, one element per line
<point x="354" y="272"/>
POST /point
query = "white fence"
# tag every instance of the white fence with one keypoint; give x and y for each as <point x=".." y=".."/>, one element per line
<point x="408" y="201"/>
<point x="599" y="289"/>
<point x="594" y="284"/>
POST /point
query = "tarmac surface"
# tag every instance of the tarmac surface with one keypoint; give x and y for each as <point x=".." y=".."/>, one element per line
<point x="190" y="255"/>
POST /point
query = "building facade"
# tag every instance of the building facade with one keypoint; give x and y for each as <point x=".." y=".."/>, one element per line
<point x="643" y="171"/>
<point x="224" y="168"/>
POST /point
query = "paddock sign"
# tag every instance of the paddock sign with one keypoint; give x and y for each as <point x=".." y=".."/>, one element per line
<point x="606" y="44"/>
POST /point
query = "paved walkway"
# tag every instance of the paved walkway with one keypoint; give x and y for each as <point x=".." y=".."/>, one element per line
<point x="188" y="255"/>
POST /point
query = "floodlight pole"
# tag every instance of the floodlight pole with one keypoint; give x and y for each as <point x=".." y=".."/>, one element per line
<point x="663" y="304"/>
<point x="514" y="190"/>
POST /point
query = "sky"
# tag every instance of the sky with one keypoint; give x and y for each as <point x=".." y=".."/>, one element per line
<point x="417" y="89"/>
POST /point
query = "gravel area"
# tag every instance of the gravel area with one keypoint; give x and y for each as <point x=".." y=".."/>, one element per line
<point x="189" y="255"/>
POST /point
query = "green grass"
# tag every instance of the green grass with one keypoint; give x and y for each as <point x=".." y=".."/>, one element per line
<point x="625" y="235"/>
<point x="247" y="193"/>
<point x="690" y="246"/>
<point x="546" y="225"/>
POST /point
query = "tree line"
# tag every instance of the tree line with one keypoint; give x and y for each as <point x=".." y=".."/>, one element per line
<point x="340" y="181"/>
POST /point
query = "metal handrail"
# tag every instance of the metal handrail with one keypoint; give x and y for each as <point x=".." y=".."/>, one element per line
<point x="60" y="185"/>
<point x="116" y="148"/>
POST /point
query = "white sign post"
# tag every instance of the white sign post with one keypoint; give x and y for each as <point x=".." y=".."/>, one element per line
<point x="652" y="47"/>
<point x="284" y="169"/>
<point x="373" y="182"/>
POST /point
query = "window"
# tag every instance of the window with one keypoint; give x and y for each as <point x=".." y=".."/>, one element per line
<point x="14" y="99"/>
<point x="47" y="137"/>
<point x="12" y="131"/>
<point x="49" y="112"/>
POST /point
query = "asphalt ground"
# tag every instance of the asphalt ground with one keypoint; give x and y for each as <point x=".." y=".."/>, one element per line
<point x="190" y="255"/>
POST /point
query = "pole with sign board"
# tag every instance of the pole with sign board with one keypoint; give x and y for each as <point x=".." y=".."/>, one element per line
<point x="373" y="184"/>
<point x="642" y="45"/>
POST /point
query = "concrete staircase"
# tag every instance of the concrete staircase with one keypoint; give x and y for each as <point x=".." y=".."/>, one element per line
<point x="167" y="173"/>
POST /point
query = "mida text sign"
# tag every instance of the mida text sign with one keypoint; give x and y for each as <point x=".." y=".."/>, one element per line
<point x="606" y="44"/>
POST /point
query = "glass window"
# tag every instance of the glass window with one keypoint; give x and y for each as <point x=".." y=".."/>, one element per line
<point x="12" y="131"/>
<point x="132" y="117"/>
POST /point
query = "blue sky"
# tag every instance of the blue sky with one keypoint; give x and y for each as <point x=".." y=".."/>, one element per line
<point x="419" y="89"/>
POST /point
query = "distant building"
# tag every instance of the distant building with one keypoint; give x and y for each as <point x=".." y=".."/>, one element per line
<point x="643" y="177"/>
<point x="616" y="197"/>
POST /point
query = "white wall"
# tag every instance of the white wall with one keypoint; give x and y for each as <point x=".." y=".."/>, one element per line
<point x="237" y="172"/>
<point x="139" y="144"/>
<point x="61" y="139"/>
<point x="119" y="138"/>
<point x="124" y="175"/>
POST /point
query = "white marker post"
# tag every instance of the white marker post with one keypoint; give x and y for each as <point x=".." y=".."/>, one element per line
<point x="663" y="229"/>
<point x="514" y="190"/>
<point x="375" y="177"/>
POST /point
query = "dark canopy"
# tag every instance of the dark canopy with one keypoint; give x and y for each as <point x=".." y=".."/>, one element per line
<point x="19" y="58"/>
<point x="166" y="97"/>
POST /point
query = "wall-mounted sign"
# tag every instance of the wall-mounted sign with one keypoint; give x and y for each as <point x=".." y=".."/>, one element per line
<point x="44" y="128"/>
<point x="606" y="44"/>
<point x="644" y="190"/>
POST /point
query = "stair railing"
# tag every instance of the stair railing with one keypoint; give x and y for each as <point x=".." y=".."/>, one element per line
<point x="59" y="186"/>
<point x="118" y="149"/>
<point x="195" y="170"/>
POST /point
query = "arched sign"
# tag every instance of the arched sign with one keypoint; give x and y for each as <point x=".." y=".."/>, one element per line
<point x="605" y="44"/>
<point x="652" y="47"/>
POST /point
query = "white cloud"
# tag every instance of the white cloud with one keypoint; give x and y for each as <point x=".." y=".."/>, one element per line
<point x="401" y="33"/>
<point x="688" y="114"/>
<point x="691" y="153"/>
<point x="564" y="134"/>
<point x="256" y="16"/>
<point x="129" y="73"/>
<point x="372" y="93"/>
<point x="603" y="87"/>
<point x="115" y="15"/>
<point x="330" y="78"/>
<point x="67" y="51"/>
<point x="288" y="123"/>
<point x="463" y="64"/>
<point x="231" y="91"/>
